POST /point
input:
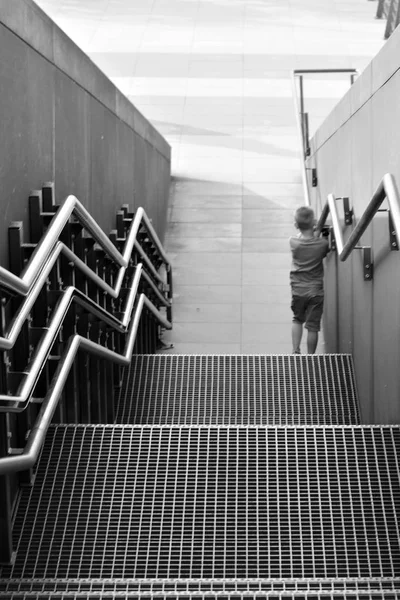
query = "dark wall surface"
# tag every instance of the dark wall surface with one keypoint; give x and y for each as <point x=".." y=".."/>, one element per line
<point x="354" y="148"/>
<point x="62" y="120"/>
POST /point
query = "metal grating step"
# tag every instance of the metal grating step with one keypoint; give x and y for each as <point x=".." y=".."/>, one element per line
<point x="381" y="588"/>
<point x="212" y="502"/>
<point x="212" y="596"/>
<point x="239" y="390"/>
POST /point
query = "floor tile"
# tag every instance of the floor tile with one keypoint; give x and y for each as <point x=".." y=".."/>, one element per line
<point x="210" y="332"/>
<point x="265" y="245"/>
<point x="205" y="171"/>
<point x="207" y="215"/>
<point x="209" y="268"/>
<point x="219" y="69"/>
<point x="265" y="313"/>
<point x="263" y="261"/>
<point x="261" y="170"/>
<point x="263" y="189"/>
<point x="204" y="230"/>
<point x="261" y="203"/>
<point x="272" y="216"/>
<point x="251" y="275"/>
<point x="201" y="244"/>
<point x="267" y="292"/>
<point x="207" y="294"/>
<point x="272" y="333"/>
<point x="206" y="313"/>
<point x="192" y="186"/>
<point x="267" y="230"/>
<point x="215" y="123"/>
<point x="221" y="202"/>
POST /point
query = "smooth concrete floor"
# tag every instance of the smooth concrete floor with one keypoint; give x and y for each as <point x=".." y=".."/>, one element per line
<point x="214" y="77"/>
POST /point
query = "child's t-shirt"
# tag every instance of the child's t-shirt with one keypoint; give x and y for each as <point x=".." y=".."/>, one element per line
<point x="307" y="271"/>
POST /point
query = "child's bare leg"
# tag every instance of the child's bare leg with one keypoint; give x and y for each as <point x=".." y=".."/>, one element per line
<point x="297" y="332"/>
<point x="312" y="341"/>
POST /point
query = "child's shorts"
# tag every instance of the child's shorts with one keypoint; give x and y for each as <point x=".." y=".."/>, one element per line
<point x="308" y="310"/>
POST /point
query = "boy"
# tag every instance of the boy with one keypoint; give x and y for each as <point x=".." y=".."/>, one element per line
<point x="307" y="279"/>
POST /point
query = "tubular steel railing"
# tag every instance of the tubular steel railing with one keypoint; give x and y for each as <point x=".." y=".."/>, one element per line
<point x="383" y="9"/>
<point x="302" y="116"/>
<point x="389" y="9"/>
<point x="386" y="190"/>
<point x="104" y="324"/>
<point x="27" y="457"/>
<point x="50" y="247"/>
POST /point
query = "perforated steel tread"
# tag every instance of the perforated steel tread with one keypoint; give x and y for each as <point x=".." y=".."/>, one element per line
<point x="212" y="502"/>
<point x="239" y="390"/>
<point x="212" y="596"/>
<point x="182" y="596"/>
<point x="311" y="589"/>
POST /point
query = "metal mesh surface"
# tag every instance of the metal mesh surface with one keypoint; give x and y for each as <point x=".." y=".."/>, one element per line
<point x="379" y="588"/>
<point x="212" y="502"/>
<point x="239" y="390"/>
<point x="183" y="596"/>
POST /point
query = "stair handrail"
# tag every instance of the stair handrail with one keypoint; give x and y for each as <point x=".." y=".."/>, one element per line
<point x="302" y="116"/>
<point x="71" y="206"/>
<point x="8" y="340"/>
<point x="30" y="283"/>
<point x="330" y="208"/>
<point x="27" y="458"/>
<point x="19" y="401"/>
<point x="387" y="189"/>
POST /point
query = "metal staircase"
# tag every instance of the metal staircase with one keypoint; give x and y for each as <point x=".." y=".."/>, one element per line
<point x="187" y="476"/>
<point x="261" y="482"/>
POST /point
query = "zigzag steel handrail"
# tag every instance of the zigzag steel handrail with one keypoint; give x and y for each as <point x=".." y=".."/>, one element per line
<point x="387" y="188"/>
<point x="11" y="334"/>
<point x="72" y="206"/>
<point x="29" y="455"/>
<point x="19" y="402"/>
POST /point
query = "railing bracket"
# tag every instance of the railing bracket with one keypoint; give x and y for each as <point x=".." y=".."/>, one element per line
<point x="368" y="264"/>
<point x="392" y="233"/>
<point x="348" y="212"/>
<point x="314" y="177"/>
<point x="333" y="239"/>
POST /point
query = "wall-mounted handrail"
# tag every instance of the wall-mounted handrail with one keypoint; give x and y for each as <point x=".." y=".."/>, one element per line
<point x="19" y="401"/>
<point x="30" y="453"/>
<point x="387" y="189"/>
<point x="300" y="113"/>
<point x="44" y="250"/>
<point x="330" y="208"/>
<point x="300" y="134"/>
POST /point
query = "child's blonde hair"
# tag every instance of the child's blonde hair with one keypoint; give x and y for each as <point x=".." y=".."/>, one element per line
<point x="304" y="218"/>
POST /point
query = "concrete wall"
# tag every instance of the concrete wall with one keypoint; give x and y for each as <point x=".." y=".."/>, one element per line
<point x="62" y="120"/>
<point x="357" y="144"/>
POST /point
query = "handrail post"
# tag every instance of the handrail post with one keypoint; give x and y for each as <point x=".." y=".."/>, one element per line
<point x="301" y="93"/>
<point x="306" y="134"/>
<point x="6" y="541"/>
<point x="393" y="197"/>
<point x="6" y="545"/>
<point x="302" y="117"/>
